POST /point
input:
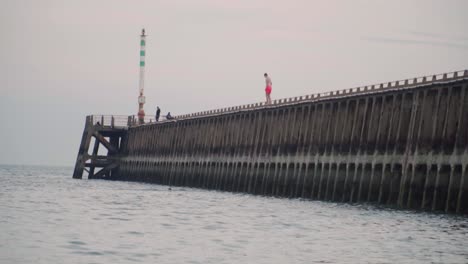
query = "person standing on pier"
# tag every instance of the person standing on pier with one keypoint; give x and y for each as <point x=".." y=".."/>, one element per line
<point x="158" y="113"/>
<point x="268" y="88"/>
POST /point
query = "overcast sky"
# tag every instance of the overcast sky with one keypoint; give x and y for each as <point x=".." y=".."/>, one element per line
<point x="62" y="60"/>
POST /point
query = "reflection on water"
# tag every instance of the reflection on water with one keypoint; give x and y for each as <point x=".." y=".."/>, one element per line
<point x="47" y="217"/>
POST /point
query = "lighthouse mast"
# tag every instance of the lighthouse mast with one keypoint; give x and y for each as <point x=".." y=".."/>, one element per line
<point x="141" y="97"/>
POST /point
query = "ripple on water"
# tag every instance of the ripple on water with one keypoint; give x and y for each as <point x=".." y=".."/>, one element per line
<point x="135" y="233"/>
<point x="119" y="219"/>
<point x="76" y="242"/>
<point x="90" y="253"/>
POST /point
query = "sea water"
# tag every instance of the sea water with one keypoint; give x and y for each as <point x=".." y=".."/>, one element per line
<point x="48" y="217"/>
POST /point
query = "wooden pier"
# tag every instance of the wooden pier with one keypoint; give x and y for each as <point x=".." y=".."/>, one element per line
<point x="402" y="144"/>
<point x="106" y="133"/>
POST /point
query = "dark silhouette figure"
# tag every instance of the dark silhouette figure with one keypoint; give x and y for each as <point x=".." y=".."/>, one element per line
<point x="158" y="113"/>
<point x="168" y="116"/>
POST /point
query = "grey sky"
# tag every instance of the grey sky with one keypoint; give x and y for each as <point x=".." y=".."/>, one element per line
<point x="62" y="60"/>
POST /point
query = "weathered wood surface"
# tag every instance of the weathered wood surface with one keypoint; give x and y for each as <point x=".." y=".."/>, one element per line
<point x="99" y="133"/>
<point x="400" y="147"/>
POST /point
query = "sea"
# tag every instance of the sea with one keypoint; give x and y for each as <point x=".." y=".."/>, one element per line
<point x="48" y="217"/>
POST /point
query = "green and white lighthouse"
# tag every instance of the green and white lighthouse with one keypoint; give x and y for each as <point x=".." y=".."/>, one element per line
<point x="141" y="97"/>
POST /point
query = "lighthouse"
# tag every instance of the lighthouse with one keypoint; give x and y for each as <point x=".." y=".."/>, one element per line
<point x="141" y="97"/>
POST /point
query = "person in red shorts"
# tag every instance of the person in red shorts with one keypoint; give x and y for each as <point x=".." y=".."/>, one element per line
<point x="268" y="88"/>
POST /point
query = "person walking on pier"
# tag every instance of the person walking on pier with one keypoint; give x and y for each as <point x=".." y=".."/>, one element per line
<point x="268" y="88"/>
<point x="158" y="113"/>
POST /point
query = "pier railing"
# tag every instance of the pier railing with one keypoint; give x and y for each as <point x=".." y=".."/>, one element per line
<point x="121" y="121"/>
<point x="109" y="120"/>
<point x="127" y="121"/>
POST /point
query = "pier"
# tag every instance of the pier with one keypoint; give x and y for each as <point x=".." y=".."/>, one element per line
<point x="103" y="131"/>
<point x="402" y="144"/>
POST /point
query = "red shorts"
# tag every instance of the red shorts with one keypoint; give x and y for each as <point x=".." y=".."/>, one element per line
<point x="268" y="90"/>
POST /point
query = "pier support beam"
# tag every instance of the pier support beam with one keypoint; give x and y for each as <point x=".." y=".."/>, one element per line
<point x="110" y="162"/>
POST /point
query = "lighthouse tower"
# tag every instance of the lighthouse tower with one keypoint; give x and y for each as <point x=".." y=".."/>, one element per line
<point x="141" y="97"/>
